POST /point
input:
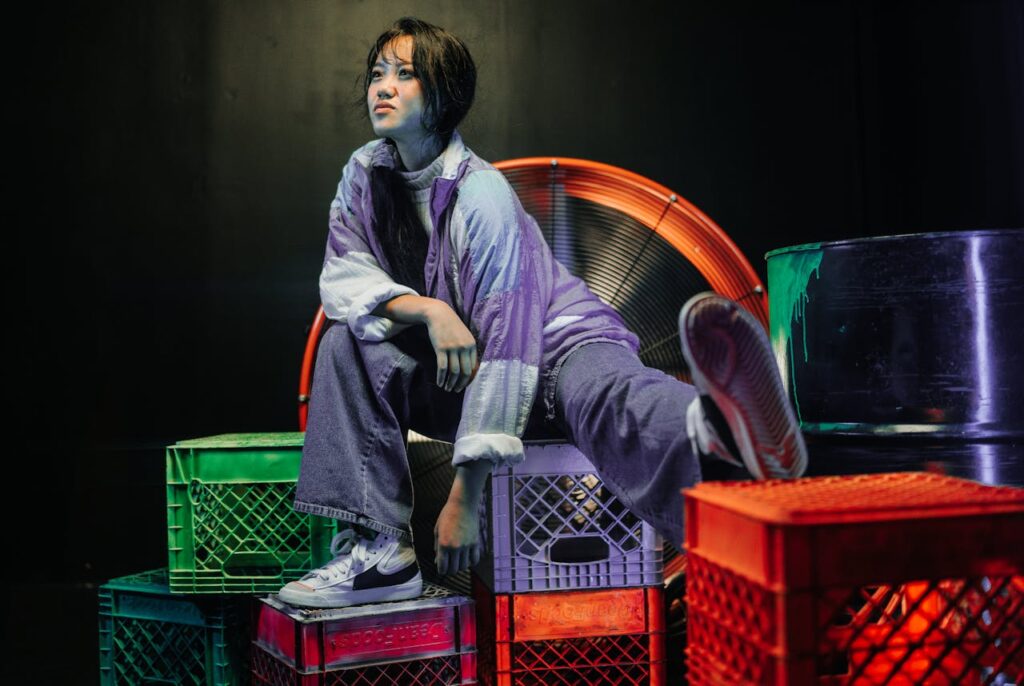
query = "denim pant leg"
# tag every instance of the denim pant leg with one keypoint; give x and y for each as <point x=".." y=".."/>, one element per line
<point x="630" y="420"/>
<point x="365" y="397"/>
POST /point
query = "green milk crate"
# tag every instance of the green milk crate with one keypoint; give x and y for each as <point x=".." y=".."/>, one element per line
<point x="230" y="523"/>
<point x="147" y="635"/>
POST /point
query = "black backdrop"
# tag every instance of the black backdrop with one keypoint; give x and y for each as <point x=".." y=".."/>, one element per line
<point x="171" y="164"/>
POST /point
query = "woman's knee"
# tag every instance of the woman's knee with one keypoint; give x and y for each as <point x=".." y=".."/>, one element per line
<point x="343" y="349"/>
<point x="593" y="371"/>
<point x="608" y="386"/>
<point x="336" y="342"/>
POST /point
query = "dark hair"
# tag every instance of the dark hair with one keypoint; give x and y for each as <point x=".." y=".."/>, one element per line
<point x="447" y="76"/>
<point x="444" y="67"/>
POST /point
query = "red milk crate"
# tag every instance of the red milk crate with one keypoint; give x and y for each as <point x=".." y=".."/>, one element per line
<point x="430" y="640"/>
<point x="610" y="637"/>
<point x="898" y="579"/>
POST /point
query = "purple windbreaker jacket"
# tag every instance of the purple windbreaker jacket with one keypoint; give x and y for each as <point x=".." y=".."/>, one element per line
<point x="488" y="260"/>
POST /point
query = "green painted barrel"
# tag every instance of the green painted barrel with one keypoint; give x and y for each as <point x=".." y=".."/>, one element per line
<point x="903" y="335"/>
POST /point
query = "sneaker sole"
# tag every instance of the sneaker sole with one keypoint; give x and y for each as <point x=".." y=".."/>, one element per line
<point x="413" y="588"/>
<point x="730" y="359"/>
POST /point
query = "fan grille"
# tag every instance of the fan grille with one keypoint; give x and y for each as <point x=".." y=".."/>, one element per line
<point x="639" y="247"/>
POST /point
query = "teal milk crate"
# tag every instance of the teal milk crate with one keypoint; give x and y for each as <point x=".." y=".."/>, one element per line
<point x="230" y="523"/>
<point x="147" y="635"/>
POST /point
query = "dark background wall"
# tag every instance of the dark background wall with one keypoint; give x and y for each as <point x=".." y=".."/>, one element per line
<point x="172" y="164"/>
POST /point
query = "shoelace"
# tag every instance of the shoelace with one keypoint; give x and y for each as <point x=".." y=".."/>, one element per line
<point x="343" y="541"/>
<point x="346" y="547"/>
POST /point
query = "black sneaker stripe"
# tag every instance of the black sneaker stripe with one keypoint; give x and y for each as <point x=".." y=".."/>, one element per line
<point x="372" y="578"/>
<point x="717" y="420"/>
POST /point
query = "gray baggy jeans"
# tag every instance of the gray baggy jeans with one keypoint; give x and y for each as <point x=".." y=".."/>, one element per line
<point x="628" y="419"/>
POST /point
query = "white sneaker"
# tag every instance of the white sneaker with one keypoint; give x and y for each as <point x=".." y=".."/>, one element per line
<point x="363" y="571"/>
<point x="732" y="365"/>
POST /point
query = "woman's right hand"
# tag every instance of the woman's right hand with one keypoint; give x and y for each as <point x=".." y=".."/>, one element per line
<point x="454" y="345"/>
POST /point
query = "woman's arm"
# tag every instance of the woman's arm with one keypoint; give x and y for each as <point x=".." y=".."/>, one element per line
<point x="457" y="532"/>
<point x="352" y="282"/>
<point x="408" y="309"/>
<point x="505" y="279"/>
<point x="453" y="343"/>
<point x="506" y="286"/>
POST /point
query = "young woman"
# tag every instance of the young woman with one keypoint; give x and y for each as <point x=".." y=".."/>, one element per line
<point x="453" y="319"/>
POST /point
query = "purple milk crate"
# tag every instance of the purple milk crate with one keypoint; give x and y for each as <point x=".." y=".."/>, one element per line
<point x="553" y="525"/>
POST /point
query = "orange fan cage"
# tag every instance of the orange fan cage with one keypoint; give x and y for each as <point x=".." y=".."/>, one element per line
<point x="640" y="247"/>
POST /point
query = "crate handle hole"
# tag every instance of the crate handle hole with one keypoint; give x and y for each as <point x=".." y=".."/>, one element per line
<point x="578" y="550"/>
<point x="250" y="564"/>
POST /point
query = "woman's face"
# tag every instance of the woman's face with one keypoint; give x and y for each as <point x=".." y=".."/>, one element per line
<point x="395" y="98"/>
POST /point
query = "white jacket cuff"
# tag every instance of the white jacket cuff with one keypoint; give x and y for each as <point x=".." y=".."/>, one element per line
<point x="501" y="449"/>
<point x="368" y="327"/>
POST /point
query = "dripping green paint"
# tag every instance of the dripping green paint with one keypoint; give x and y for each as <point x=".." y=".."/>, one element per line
<point x="789" y="273"/>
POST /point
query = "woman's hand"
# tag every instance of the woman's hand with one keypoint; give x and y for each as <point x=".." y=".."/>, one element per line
<point x="452" y="341"/>
<point x="454" y="345"/>
<point x="457" y="532"/>
<point x="456" y="537"/>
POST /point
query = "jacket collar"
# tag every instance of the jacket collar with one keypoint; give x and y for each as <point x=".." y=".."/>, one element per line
<point x="386" y="155"/>
<point x="454" y="156"/>
<point x="456" y="160"/>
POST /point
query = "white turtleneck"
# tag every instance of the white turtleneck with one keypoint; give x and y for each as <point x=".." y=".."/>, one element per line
<point x="418" y="183"/>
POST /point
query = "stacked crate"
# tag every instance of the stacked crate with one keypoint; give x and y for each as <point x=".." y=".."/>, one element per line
<point x="230" y="522"/>
<point x="880" y="579"/>
<point x="232" y="533"/>
<point x="570" y="589"/>
<point x="150" y="636"/>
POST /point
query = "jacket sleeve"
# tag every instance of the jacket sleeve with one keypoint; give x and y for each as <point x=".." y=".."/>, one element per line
<point x="505" y="286"/>
<point x="352" y="282"/>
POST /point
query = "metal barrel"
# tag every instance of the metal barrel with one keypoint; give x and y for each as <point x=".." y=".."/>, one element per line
<point x="903" y="335"/>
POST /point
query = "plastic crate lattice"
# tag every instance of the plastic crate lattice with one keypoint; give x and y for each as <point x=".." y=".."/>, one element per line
<point x="436" y="671"/>
<point x="231" y="523"/>
<point x="612" y="636"/>
<point x="158" y="648"/>
<point x="228" y="517"/>
<point x="148" y="635"/>
<point x="550" y="506"/>
<point x="589" y="651"/>
<point x="848" y="581"/>
<point x="556" y="525"/>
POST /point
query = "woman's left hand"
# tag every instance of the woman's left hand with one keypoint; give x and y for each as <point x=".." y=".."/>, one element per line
<point x="457" y="537"/>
